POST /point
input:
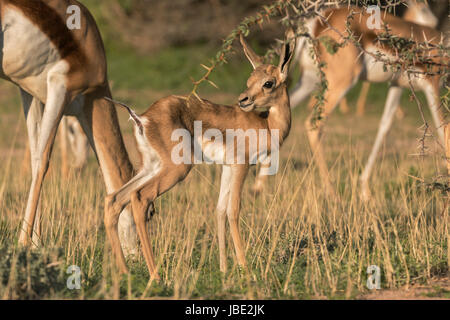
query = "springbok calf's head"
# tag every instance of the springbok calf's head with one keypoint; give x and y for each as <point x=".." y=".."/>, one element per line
<point x="267" y="82"/>
<point x="419" y="12"/>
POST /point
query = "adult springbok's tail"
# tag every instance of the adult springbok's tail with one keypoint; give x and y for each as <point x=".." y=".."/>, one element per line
<point x="132" y="113"/>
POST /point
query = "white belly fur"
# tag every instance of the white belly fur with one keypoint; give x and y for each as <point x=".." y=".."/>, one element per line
<point x="374" y="69"/>
<point x="28" y="55"/>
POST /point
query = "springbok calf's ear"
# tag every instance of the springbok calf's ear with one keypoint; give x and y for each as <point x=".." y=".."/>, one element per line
<point x="286" y="54"/>
<point x="254" y="59"/>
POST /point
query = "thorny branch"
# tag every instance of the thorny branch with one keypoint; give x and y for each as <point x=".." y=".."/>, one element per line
<point x="294" y="13"/>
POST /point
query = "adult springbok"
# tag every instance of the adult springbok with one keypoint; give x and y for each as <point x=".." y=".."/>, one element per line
<point x="74" y="144"/>
<point x="61" y="71"/>
<point x="154" y="130"/>
<point x="416" y="11"/>
<point x="350" y="64"/>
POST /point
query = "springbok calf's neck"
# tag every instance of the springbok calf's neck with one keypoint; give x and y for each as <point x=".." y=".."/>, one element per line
<point x="280" y="115"/>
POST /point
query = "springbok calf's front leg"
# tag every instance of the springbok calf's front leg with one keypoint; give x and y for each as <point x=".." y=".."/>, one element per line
<point x="238" y="175"/>
<point x="57" y="97"/>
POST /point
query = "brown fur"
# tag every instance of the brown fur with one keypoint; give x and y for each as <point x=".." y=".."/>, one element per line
<point x="51" y="23"/>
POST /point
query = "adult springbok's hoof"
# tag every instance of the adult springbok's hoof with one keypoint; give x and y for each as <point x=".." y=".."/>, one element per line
<point x="258" y="188"/>
<point x="365" y="194"/>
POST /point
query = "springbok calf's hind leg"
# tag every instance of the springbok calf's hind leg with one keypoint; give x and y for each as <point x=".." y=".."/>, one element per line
<point x="57" y="97"/>
<point x="63" y="134"/>
<point x="144" y="188"/>
<point x="392" y="102"/>
<point x="156" y="186"/>
<point x="33" y="110"/>
<point x="114" y="204"/>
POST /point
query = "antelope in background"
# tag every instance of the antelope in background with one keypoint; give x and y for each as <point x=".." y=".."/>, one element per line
<point x="347" y="66"/>
<point x="417" y="12"/>
<point x="266" y="88"/>
<point x="62" y="72"/>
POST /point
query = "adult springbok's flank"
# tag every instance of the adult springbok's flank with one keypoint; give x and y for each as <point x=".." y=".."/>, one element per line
<point x="350" y="64"/>
<point x="266" y="89"/>
<point x="61" y="71"/>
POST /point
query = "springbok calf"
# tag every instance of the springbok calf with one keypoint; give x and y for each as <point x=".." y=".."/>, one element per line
<point x="61" y="71"/>
<point x="350" y="64"/>
<point x="159" y="172"/>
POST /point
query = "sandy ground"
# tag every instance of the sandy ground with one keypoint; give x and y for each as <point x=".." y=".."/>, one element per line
<point x="435" y="289"/>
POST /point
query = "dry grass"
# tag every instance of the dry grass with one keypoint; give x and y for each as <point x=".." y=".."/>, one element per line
<point x="299" y="243"/>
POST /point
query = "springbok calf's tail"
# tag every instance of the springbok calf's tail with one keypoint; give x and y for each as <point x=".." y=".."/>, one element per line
<point x="132" y="113"/>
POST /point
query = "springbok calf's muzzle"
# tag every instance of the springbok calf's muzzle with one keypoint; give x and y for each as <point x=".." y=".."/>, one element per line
<point x="245" y="103"/>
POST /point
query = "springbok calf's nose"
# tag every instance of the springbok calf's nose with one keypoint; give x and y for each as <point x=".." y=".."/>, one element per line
<point x="243" y="99"/>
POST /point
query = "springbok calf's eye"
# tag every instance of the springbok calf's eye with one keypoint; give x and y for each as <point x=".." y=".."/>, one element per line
<point x="268" y="85"/>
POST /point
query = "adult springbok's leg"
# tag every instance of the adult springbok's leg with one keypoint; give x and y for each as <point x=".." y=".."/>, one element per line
<point x="101" y="126"/>
<point x="362" y="99"/>
<point x="78" y="142"/>
<point x="304" y="88"/>
<point x="432" y="95"/>
<point x="63" y="134"/>
<point x="33" y="110"/>
<point x="71" y="134"/>
<point x="392" y="103"/>
<point x="57" y="97"/>
<point x="334" y="94"/>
